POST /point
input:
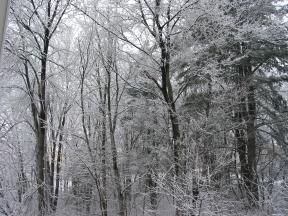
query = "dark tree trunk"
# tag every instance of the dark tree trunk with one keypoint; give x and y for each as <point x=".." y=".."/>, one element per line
<point x="246" y="135"/>
<point x="103" y="150"/>
<point x="112" y="119"/>
<point x="103" y="168"/>
<point x="251" y="147"/>
<point x="41" y="147"/>
<point x="153" y="195"/>
<point x="58" y="163"/>
<point x="22" y="179"/>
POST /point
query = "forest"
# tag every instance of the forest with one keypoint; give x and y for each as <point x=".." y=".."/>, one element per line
<point x="144" y="108"/>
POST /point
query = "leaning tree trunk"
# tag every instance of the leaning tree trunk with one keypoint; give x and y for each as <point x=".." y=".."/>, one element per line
<point x="58" y="163"/>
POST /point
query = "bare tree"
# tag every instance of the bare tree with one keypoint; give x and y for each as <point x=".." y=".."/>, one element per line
<point x="46" y="18"/>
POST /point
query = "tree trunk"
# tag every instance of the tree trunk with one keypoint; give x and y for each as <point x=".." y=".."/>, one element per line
<point x="41" y="148"/>
<point x="246" y="136"/>
<point x="251" y="147"/>
<point x="103" y="97"/>
<point x="40" y="164"/>
<point x="127" y="181"/>
<point x="152" y="186"/>
<point x="58" y="163"/>
<point x="167" y="92"/>
<point x="22" y="179"/>
<point x="116" y="171"/>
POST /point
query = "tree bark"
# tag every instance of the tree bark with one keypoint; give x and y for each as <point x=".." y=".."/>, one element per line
<point x="103" y="98"/>
<point x="112" y="127"/>
<point x="41" y="148"/>
<point x="251" y="147"/>
<point x="246" y="135"/>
